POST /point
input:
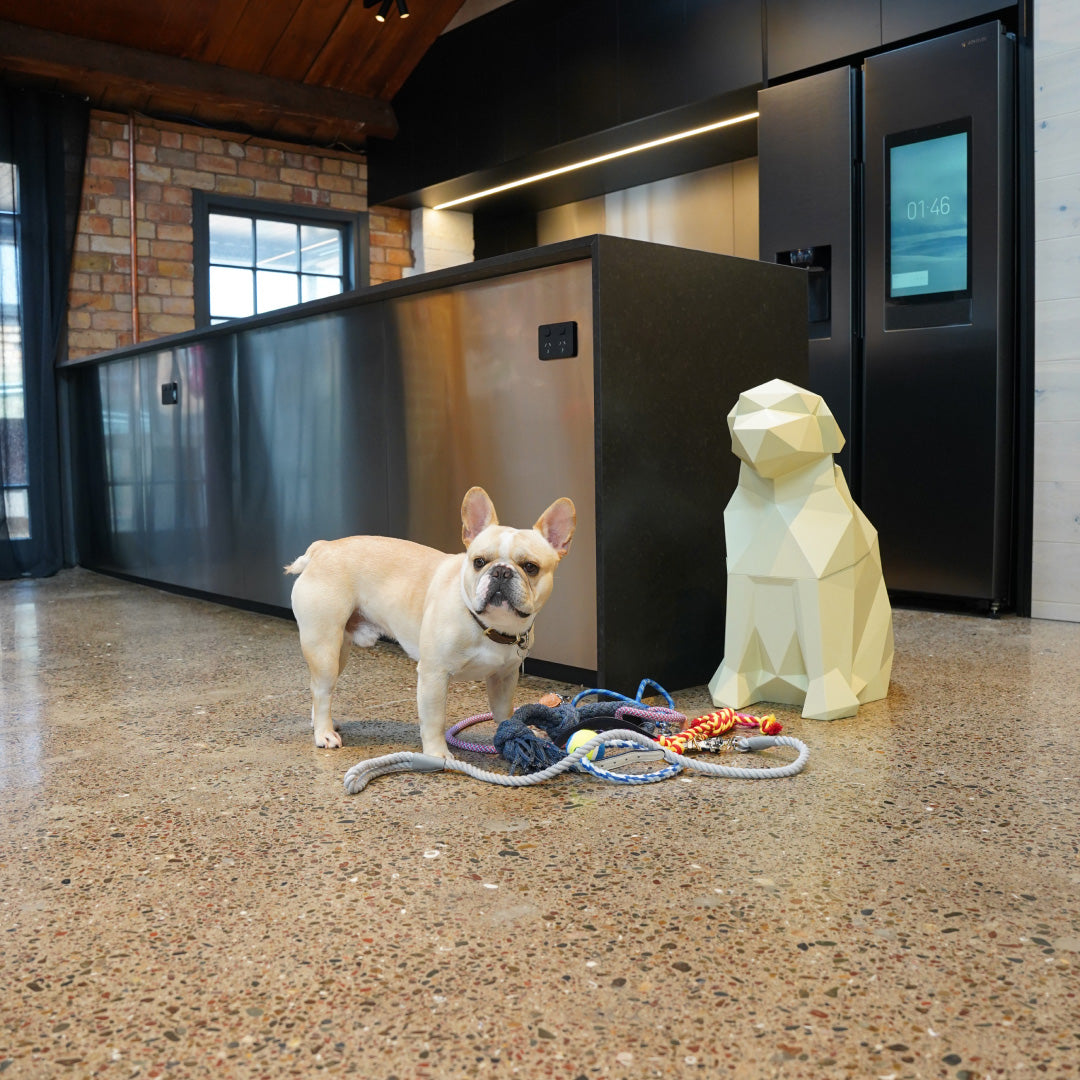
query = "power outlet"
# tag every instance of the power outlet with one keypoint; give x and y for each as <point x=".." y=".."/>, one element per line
<point x="558" y="340"/>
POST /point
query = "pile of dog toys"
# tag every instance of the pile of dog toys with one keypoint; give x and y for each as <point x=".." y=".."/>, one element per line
<point x="578" y="735"/>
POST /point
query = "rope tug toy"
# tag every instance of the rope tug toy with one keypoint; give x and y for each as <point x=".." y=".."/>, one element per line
<point x="542" y="759"/>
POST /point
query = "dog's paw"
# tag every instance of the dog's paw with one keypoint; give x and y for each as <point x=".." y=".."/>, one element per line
<point x="442" y="751"/>
<point x="330" y="741"/>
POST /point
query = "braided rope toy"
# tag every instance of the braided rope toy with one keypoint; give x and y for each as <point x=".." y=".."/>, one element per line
<point x="362" y="773"/>
<point x="714" y="725"/>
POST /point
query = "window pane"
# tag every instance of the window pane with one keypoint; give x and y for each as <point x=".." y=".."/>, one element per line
<point x="320" y="250"/>
<point x="290" y="261"/>
<point x="231" y="241"/>
<point x="275" y="290"/>
<point x="315" y="288"/>
<point x="17" y="514"/>
<point x="9" y="191"/>
<point x="276" y="245"/>
<point x="230" y="293"/>
<point x="9" y="271"/>
<point x="14" y="470"/>
<point x="11" y="367"/>
<point x="13" y="435"/>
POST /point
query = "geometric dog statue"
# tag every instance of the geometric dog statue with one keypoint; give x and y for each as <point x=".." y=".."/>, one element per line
<point x="808" y="617"/>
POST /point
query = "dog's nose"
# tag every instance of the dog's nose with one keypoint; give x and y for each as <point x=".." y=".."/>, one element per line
<point x="502" y="573"/>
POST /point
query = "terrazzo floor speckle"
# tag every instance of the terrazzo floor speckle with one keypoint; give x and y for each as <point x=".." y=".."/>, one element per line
<point x="187" y="891"/>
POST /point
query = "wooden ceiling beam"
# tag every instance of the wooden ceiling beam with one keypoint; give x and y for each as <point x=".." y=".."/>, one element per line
<point x="262" y="100"/>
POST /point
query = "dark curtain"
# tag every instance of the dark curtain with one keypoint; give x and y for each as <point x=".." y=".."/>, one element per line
<point x="44" y="136"/>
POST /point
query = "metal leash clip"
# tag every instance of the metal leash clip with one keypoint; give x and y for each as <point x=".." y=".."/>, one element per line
<point x="715" y="744"/>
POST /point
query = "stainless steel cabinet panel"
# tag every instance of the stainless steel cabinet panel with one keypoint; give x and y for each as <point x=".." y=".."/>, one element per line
<point x="310" y="440"/>
<point x="477" y="406"/>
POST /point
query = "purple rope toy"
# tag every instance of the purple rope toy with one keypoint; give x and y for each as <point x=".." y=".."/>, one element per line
<point x="461" y="725"/>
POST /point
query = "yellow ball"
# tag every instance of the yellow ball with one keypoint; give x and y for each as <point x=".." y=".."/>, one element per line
<point x="580" y="738"/>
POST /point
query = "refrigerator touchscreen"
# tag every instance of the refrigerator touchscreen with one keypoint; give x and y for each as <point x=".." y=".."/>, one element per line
<point x="928" y="241"/>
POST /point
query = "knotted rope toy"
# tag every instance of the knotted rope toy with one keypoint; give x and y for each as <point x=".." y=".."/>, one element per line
<point x="560" y="721"/>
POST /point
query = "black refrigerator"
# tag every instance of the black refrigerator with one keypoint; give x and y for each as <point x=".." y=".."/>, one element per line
<point x="892" y="185"/>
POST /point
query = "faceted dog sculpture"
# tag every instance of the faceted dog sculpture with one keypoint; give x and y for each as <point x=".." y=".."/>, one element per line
<point x="808" y="617"/>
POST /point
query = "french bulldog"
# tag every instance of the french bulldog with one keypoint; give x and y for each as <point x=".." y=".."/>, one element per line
<point x="460" y="616"/>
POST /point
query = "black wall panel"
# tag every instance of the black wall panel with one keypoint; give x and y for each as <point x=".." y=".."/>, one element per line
<point x="538" y="73"/>
<point x="907" y="18"/>
<point x="722" y="49"/>
<point x="651" y="33"/>
<point x="498" y="234"/>
<point x="585" y="84"/>
<point x="526" y="77"/>
<point x="479" y="138"/>
<point x="804" y="33"/>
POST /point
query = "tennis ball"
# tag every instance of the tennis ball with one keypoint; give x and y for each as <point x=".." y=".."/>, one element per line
<point x="580" y="738"/>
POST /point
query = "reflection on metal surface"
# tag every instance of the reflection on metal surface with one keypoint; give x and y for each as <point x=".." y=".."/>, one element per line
<point x="371" y="418"/>
<point x="477" y="406"/>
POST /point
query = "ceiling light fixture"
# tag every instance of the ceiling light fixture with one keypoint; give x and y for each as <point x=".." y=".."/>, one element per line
<point x="652" y="143"/>
<point x="402" y="9"/>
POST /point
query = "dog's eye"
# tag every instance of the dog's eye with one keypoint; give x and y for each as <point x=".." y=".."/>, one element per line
<point x="530" y="568"/>
<point x="479" y="563"/>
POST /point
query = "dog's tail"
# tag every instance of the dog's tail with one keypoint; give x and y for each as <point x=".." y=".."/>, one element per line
<point x="298" y="565"/>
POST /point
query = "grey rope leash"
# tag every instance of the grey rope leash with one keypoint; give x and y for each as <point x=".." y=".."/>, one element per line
<point x="363" y="772"/>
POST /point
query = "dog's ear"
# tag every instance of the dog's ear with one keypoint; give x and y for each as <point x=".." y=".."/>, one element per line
<point x="832" y="438"/>
<point x="477" y="513"/>
<point x="556" y="525"/>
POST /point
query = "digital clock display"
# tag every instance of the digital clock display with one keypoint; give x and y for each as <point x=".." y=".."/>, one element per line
<point x="928" y="249"/>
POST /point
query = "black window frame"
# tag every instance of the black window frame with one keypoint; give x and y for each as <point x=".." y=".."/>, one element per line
<point x="357" y="271"/>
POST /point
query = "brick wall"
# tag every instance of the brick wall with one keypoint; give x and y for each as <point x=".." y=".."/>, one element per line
<point x="391" y="243"/>
<point x="171" y="161"/>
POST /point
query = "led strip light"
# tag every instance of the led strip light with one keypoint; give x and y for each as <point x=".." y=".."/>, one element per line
<point x="597" y="160"/>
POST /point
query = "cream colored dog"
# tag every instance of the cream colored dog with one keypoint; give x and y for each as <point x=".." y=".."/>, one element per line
<point x="464" y="616"/>
<point x="808" y="617"/>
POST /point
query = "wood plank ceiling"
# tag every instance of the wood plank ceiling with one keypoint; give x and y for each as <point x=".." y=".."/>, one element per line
<point x="316" y="71"/>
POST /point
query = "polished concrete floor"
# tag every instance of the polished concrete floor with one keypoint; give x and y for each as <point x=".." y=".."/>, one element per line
<point x="187" y="890"/>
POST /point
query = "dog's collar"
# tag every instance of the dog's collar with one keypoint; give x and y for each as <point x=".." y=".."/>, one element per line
<point x="522" y="641"/>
